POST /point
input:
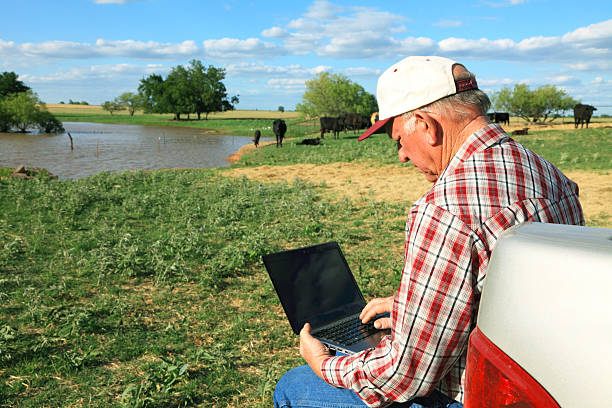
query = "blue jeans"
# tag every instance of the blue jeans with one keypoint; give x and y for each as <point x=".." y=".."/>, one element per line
<point x="301" y="387"/>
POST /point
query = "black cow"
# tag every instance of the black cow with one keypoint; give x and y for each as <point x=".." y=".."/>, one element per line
<point x="329" y="124"/>
<point x="355" y="121"/>
<point x="311" y="142"/>
<point x="499" y="117"/>
<point x="582" y="114"/>
<point x="280" y="127"/>
<point x="522" y="131"/>
<point x="256" y="138"/>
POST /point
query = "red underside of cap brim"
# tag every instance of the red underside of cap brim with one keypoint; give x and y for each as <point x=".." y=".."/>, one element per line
<point x="374" y="128"/>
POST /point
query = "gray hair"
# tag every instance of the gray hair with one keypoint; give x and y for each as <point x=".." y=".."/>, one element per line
<point x="459" y="105"/>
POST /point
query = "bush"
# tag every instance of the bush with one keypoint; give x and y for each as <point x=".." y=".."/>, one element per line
<point x="49" y="124"/>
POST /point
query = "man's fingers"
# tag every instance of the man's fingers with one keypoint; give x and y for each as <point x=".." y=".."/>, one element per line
<point x="306" y="329"/>
<point x="382" y="324"/>
<point x="376" y="307"/>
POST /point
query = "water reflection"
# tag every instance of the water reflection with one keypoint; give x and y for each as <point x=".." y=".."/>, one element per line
<point x="100" y="147"/>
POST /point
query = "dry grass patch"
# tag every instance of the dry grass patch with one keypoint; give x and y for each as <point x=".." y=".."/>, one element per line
<point x="394" y="184"/>
<point x="356" y="181"/>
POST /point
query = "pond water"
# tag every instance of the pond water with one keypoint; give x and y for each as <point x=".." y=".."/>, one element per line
<point x="99" y="147"/>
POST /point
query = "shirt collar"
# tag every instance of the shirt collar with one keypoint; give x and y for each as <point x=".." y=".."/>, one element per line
<point x="477" y="141"/>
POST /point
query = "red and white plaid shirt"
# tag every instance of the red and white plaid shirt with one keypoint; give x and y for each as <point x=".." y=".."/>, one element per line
<point x="491" y="184"/>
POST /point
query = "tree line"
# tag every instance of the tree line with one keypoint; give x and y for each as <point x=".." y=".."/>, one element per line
<point x="195" y="89"/>
<point x="334" y="95"/>
<point x="21" y="109"/>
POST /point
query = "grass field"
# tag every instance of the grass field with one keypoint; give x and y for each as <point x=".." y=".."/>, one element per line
<point x="146" y="289"/>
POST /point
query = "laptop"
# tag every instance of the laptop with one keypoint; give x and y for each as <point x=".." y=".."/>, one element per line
<point x="316" y="286"/>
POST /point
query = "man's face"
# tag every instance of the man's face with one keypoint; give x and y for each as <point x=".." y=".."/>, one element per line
<point x="413" y="146"/>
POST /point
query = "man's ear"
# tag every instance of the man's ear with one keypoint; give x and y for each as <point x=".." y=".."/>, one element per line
<point x="428" y="127"/>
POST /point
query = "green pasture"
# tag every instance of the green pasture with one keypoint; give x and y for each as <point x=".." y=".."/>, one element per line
<point x="581" y="149"/>
<point x="146" y="289"/>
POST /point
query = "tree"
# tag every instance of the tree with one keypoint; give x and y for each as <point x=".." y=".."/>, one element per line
<point x="6" y="119"/>
<point x="544" y="103"/>
<point x="153" y="94"/>
<point x="112" y="106"/>
<point x="22" y="108"/>
<point x="209" y="92"/>
<point x="9" y="84"/>
<point x="195" y="89"/>
<point x="335" y="94"/>
<point x="48" y="123"/>
<point x="281" y="108"/>
<point x="129" y="101"/>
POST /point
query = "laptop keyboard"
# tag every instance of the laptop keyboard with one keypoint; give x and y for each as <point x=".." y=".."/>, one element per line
<point x="348" y="332"/>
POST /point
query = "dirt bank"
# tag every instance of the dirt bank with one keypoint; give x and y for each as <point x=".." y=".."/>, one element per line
<point x="405" y="184"/>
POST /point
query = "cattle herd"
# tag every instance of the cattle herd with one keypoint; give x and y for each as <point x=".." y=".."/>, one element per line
<point x="355" y="121"/>
<point x="348" y="121"/>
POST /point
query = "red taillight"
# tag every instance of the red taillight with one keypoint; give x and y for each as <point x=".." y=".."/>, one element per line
<point x="494" y="380"/>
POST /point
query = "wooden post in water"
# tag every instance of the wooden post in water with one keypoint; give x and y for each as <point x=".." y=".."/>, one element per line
<point x="71" y="145"/>
<point x="97" y="151"/>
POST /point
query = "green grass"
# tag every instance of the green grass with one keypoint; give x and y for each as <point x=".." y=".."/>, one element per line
<point x="378" y="149"/>
<point x="146" y="289"/>
<point x="586" y="149"/>
<point x="581" y="149"/>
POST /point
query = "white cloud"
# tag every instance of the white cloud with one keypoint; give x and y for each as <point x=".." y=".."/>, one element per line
<point x="287" y="83"/>
<point x="246" y="69"/>
<point x="362" y="72"/>
<point x="448" y="23"/>
<point x="494" y="82"/>
<point x="323" y="10"/>
<point x="590" y="44"/>
<point x="274" y="32"/>
<point x="100" y="49"/>
<point x="368" y="44"/>
<point x="564" y="80"/>
<point x="337" y="32"/>
<point x="231" y="48"/>
<point x="111" y="73"/>
<point x="590" y="66"/>
<point x="597" y="35"/>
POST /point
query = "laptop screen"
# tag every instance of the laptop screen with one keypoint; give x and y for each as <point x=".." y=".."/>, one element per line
<point x="314" y="284"/>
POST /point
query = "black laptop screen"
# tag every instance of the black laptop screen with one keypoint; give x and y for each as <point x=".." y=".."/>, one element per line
<point x="314" y="284"/>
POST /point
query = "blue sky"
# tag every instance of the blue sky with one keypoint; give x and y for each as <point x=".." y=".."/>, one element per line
<point x="94" y="50"/>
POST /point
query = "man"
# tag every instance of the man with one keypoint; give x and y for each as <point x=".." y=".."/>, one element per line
<point x="484" y="183"/>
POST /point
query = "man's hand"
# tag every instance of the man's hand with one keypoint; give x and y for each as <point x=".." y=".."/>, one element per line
<point x="312" y="350"/>
<point x="376" y="307"/>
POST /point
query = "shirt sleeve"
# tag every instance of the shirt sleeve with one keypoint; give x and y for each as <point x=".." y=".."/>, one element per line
<point x="431" y="317"/>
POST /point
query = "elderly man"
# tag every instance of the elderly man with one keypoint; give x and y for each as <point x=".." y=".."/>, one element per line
<point x="484" y="183"/>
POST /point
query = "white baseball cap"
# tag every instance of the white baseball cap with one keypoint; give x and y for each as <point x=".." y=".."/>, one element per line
<point x="412" y="83"/>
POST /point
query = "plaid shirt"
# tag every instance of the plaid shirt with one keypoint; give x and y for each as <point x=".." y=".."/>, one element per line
<point x="491" y="184"/>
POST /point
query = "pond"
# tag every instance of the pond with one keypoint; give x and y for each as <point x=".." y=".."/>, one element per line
<point x="99" y="147"/>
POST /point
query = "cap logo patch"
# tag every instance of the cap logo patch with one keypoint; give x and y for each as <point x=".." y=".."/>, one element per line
<point x="466" y="84"/>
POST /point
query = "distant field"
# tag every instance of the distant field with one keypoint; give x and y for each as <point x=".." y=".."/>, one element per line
<point x="238" y="122"/>
<point x="58" y="108"/>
